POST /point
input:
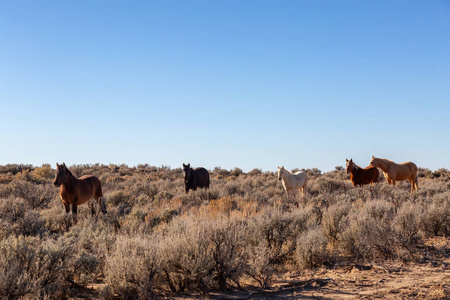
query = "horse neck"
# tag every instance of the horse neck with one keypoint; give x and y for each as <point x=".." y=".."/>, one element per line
<point x="285" y="174"/>
<point x="355" y="168"/>
<point x="382" y="163"/>
<point x="192" y="175"/>
<point x="70" y="181"/>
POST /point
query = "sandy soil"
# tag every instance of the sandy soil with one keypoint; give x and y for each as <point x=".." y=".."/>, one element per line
<point x="426" y="278"/>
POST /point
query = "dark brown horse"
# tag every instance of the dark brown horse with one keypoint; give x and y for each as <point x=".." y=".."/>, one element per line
<point x="77" y="191"/>
<point x="360" y="176"/>
<point x="193" y="179"/>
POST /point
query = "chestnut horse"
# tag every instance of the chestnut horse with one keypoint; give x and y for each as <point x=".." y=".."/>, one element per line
<point x="397" y="172"/>
<point x="77" y="191"/>
<point x="360" y="176"/>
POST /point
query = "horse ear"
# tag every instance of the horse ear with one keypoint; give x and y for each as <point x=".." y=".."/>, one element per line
<point x="57" y="165"/>
<point x="64" y="165"/>
<point x="184" y="165"/>
<point x="346" y="160"/>
<point x="373" y="156"/>
<point x="189" y="165"/>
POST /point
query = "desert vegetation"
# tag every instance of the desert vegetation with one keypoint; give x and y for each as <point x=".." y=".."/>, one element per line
<point x="241" y="234"/>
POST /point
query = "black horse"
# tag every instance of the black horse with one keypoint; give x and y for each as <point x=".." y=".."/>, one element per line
<point x="193" y="179"/>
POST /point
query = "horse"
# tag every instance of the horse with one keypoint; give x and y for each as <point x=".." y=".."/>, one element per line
<point x="77" y="191"/>
<point x="397" y="172"/>
<point x="292" y="182"/>
<point x="360" y="176"/>
<point x="193" y="179"/>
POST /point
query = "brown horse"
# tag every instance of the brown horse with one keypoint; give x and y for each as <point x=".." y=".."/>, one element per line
<point x="77" y="191"/>
<point x="193" y="179"/>
<point x="397" y="172"/>
<point x="360" y="176"/>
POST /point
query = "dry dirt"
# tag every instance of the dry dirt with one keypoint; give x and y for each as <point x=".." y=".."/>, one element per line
<point x="428" y="277"/>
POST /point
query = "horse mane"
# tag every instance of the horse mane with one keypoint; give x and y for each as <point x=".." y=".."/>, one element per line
<point x="283" y="168"/>
<point x="384" y="159"/>
<point x="68" y="172"/>
<point x="289" y="172"/>
<point x="355" y="167"/>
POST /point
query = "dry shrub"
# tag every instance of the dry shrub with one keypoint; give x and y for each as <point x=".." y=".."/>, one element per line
<point x="43" y="174"/>
<point x="186" y="256"/>
<point x="258" y="263"/>
<point x="57" y="220"/>
<point x="278" y="230"/>
<point x="370" y="235"/>
<point x="326" y="184"/>
<point x="220" y="207"/>
<point x="255" y="172"/>
<point x="32" y="268"/>
<point x="94" y="239"/>
<point x="335" y="221"/>
<point x="122" y="200"/>
<point x="36" y="196"/>
<point x="406" y="225"/>
<point x="377" y="232"/>
<point x="310" y="251"/>
<point x="232" y="189"/>
<point x="131" y="268"/>
<point x="21" y="219"/>
<point x="226" y="239"/>
<point x="436" y="218"/>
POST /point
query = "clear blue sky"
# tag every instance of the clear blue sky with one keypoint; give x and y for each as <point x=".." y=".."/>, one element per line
<point x="249" y="84"/>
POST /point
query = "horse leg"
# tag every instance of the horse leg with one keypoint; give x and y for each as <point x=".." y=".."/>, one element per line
<point x="300" y="190"/>
<point x="411" y="181"/>
<point x="388" y="179"/>
<point x="74" y="212"/>
<point x="66" y="206"/>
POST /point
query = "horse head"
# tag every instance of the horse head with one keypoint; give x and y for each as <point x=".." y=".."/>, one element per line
<point x="61" y="171"/>
<point x="187" y="172"/>
<point x="373" y="162"/>
<point x="349" y="165"/>
<point x="280" y="172"/>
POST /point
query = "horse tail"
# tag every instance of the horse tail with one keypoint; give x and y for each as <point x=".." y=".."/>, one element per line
<point x="305" y="184"/>
<point x="416" y="183"/>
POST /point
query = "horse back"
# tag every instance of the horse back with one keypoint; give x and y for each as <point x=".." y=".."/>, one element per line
<point x="300" y="175"/>
<point x="412" y="166"/>
<point x="405" y="170"/>
<point x="89" y="185"/>
<point x="202" y="177"/>
<point x="300" y="178"/>
<point x="365" y="176"/>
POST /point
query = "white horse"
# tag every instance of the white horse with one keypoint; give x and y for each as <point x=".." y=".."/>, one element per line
<point x="292" y="182"/>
